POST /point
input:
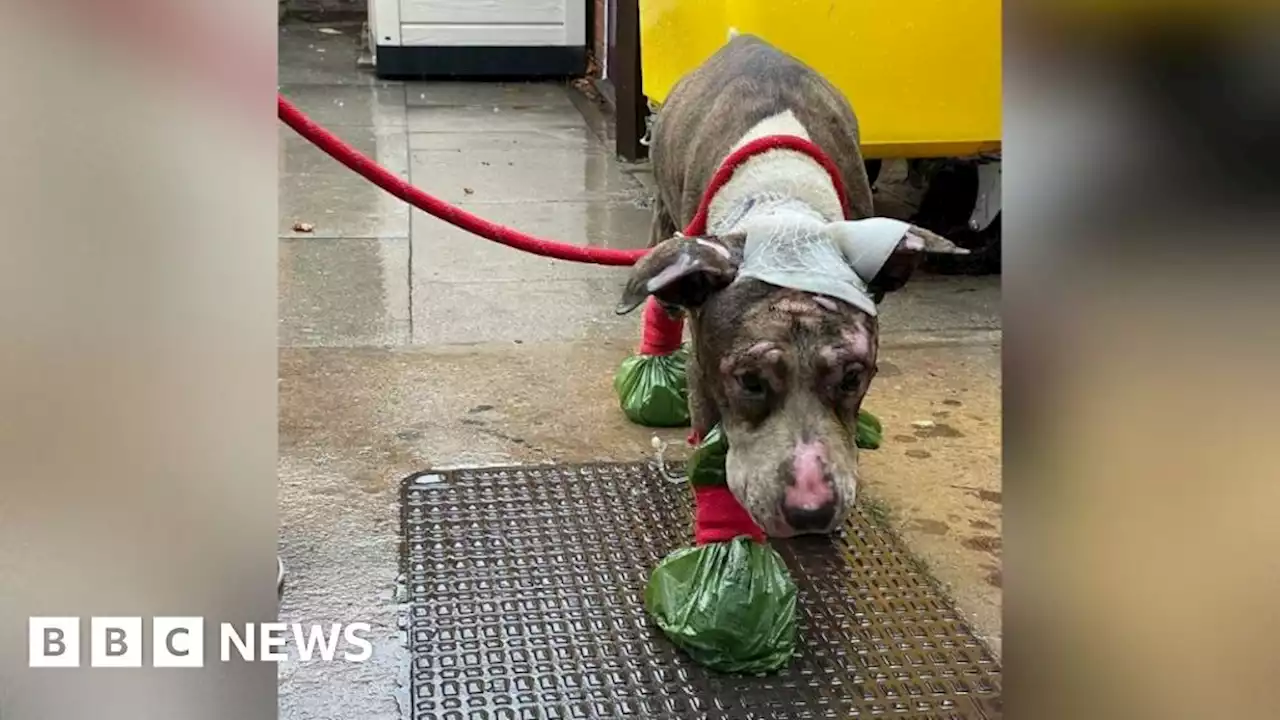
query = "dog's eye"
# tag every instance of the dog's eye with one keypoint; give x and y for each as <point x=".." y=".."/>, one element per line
<point x="851" y="382"/>
<point x="752" y="383"/>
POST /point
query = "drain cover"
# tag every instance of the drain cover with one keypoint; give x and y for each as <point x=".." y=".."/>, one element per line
<point x="527" y="588"/>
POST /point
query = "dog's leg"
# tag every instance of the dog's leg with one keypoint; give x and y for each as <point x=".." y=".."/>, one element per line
<point x="662" y="227"/>
<point x="702" y="411"/>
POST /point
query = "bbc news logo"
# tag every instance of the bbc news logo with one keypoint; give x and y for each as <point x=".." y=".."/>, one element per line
<point x="179" y="642"/>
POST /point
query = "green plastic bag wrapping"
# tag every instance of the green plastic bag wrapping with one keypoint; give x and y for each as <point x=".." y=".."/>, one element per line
<point x="706" y="463"/>
<point x="729" y="603"/>
<point x="870" y="432"/>
<point x="653" y="390"/>
<point x="731" y="606"/>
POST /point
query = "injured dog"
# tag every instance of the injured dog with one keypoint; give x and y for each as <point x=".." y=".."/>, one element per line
<point x="781" y="289"/>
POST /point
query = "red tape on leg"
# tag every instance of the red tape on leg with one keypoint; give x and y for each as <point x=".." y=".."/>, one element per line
<point x="661" y="334"/>
<point x="719" y="517"/>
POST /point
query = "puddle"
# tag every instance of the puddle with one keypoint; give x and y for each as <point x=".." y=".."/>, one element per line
<point x="983" y="543"/>
<point x="938" y="430"/>
<point x="929" y="527"/>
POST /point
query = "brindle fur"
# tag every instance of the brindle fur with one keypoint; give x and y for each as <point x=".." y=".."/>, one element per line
<point x="713" y="106"/>
<point x="816" y="356"/>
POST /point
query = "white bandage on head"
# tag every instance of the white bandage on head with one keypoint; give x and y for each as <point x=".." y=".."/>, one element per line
<point x="868" y="243"/>
<point x="834" y="259"/>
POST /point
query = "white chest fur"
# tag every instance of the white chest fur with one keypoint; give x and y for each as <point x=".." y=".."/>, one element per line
<point x="775" y="174"/>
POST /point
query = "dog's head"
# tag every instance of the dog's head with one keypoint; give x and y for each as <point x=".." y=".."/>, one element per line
<point x="783" y="371"/>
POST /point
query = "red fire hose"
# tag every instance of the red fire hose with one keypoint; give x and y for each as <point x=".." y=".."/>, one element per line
<point x="383" y="178"/>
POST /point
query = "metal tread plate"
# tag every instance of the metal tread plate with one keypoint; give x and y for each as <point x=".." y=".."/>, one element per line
<point x="526" y="589"/>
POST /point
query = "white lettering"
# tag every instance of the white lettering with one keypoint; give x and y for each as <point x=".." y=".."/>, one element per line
<point x="354" y="639"/>
<point x="268" y="633"/>
<point x="231" y="637"/>
<point x="306" y="645"/>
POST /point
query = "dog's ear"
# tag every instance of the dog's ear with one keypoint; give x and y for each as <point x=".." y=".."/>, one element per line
<point x="683" y="271"/>
<point x="885" y="253"/>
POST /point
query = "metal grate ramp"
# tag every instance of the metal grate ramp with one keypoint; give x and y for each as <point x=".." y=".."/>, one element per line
<point x="526" y="590"/>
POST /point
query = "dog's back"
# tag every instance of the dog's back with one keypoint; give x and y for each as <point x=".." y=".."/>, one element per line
<point x="745" y="83"/>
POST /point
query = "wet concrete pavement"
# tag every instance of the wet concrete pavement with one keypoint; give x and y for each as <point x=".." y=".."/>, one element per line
<point x="407" y="344"/>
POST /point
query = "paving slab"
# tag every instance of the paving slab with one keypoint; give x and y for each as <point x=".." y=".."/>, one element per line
<point x="338" y="204"/>
<point x="492" y="119"/>
<point x="520" y="311"/>
<point x="336" y="105"/>
<point x="336" y="293"/>
<point x="508" y="95"/>
<point x="443" y="253"/>
<point x="941" y="304"/>
<point x="321" y="54"/>
<point x="571" y="140"/>
<point x="325" y="195"/>
<point x="389" y="147"/>
<point x="501" y="175"/>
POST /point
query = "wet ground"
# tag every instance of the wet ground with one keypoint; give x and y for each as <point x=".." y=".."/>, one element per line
<point x="406" y="344"/>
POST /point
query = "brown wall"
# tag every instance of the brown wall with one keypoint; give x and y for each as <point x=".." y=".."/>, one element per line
<point x="598" y="40"/>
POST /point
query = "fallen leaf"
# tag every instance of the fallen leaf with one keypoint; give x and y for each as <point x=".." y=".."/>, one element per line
<point x="303" y="227"/>
<point x="468" y="190"/>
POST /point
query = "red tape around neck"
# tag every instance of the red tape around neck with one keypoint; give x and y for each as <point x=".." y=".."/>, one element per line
<point x="698" y="225"/>
<point x="661" y="333"/>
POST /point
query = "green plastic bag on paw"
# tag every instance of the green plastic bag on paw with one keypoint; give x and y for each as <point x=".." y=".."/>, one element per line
<point x="706" y="464"/>
<point x="730" y="606"/>
<point x="870" y="433"/>
<point x="653" y="390"/>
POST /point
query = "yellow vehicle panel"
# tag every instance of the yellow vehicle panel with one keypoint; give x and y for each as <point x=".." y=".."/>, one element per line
<point x="923" y="75"/>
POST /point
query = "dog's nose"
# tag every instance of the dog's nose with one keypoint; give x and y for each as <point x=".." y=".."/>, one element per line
<point x="808" y="519"/>
<point x="809" y="501"/>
